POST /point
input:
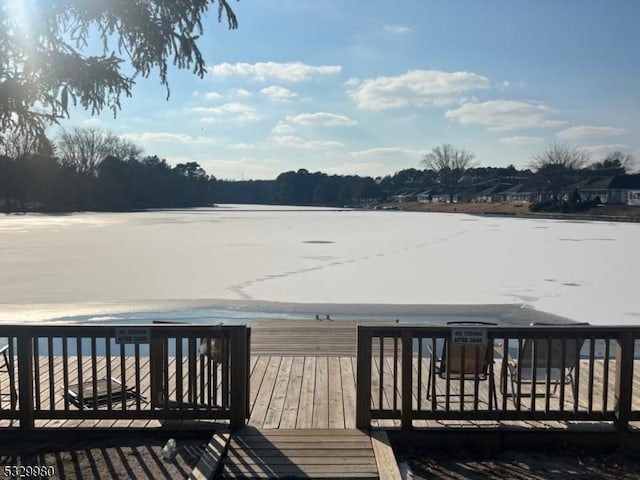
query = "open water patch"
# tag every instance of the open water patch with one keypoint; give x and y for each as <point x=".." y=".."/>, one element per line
<point x="318" y="241"/>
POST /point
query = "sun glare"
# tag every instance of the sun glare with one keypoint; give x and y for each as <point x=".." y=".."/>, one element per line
<point x="20" y="16"/>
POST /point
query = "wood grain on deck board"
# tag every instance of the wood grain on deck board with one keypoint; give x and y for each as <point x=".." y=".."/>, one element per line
<point x="306" y="337"/>
<point x="295" y="453"/>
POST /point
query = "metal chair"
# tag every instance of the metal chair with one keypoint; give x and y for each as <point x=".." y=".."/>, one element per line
<point x="541" y="361"/>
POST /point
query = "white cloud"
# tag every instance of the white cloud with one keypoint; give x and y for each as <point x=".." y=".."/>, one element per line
<point x="240" y="146"/>
<point x="233" y="111"/>
<point x="262" y="71"/>
<point x="397" y="29"/>
<point x="282" y="127"/>
<point x="352" y="82"/>
<point x="297" y="142"/>
<point x="239" y="93"/>
<point x="388" y="153"/>
<point x="583" y="131"/>
<point x="166" y="137"/>
<point x="502" y="115"/>
<point x="323" y="119"/>
<point x="212" y="96"/>
<point x="416" y="87"/>
<point x="278" y="94"/>
<point x="521" y="140"/>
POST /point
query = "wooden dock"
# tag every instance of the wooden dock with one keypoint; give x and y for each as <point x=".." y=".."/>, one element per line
<point x="302" y="408"/>
<point x="302" y="402"/>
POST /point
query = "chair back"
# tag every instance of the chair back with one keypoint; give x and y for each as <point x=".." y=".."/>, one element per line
<point x="554" y="358"/>
<point x="466" y="361"/>
<point x="470" y="361"/>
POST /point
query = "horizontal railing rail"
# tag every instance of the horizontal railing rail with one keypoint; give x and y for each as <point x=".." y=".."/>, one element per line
<point x="412" y="374"/>
<point x="124" y="372"/>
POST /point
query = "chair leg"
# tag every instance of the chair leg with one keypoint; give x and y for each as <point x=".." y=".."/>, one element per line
<point x="492" y="387"/>
<point x="514" y="396"/>
<point x="12" y="391"/>
<point x="574" y="388"/>
<point x="495" y="396"/>
<point x="429" y="379"/>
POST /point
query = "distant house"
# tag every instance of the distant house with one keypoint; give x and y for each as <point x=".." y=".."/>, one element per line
<point x="520" y="193"/>
<point x="494" y="193"/>
<point x="618" y="189"/>
<point x="425" y="196"/>
<point x="595" y="187"/>
<point x="433" y="195"/>
<point x="403" y="197"/>
<point x="470" y="194"/>
<point x="441" y="197"/>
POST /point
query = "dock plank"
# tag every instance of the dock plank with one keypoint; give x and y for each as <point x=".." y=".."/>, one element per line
<point x="348" y="391"/>
<point x="336" y="403"/>
<point x="305" y="405"/>
<point x="260" y="408"/>
<point x="276" y="404"/>
<point x="292" y="398"/>
<point x="321" y="394"/>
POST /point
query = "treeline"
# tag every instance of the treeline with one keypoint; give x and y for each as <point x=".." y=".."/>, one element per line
<point x="301" y="188"/>
<point x="44" y="183"/>
<point x="88" y="169"/>
<point x="41" y="183"/>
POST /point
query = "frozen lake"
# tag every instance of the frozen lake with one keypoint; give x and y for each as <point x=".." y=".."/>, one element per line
<point x="205" y="263"/>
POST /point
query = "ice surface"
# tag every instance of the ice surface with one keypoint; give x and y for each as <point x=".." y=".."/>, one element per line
<point x="106" y="263"/>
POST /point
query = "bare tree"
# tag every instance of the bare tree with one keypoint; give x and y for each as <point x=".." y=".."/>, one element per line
<point x="557" y="167"/>
<point x="18" y="144"/>
<point x="450" y="164"/>
<point x="84" y="148"/>
<point x="615" y="163"/>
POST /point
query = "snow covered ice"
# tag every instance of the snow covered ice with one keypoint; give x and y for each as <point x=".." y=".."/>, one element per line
<point x="57" y="265"/>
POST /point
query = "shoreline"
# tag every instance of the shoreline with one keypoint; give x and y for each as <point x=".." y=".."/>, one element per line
<point x="604" y="213"/>
<point x="244" y="311"/>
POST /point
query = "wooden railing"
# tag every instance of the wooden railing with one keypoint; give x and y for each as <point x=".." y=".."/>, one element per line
<point x="584" y="373"/>
<point x="65" y="373"/>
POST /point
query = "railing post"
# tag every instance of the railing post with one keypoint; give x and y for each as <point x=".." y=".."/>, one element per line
<point x="407" y="379"/>
<point x="25" y="379"/>
<point x="363" y="378"/>
<point x="624" y="379"/>
<point x="156" y="370"/>
<point x="248" y="382"/>
<point x="239" y="382"/>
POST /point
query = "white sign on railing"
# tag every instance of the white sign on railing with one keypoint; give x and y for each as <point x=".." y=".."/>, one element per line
<point x="476" y="337"/>
<point x="132" y="335"/>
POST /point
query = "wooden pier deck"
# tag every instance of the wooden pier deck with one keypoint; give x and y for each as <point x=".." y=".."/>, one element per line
<point x="302" y="402"/>
<point x="303" y="376"/>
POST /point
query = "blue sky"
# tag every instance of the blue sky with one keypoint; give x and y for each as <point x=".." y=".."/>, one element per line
<point x="368" y="86"/>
